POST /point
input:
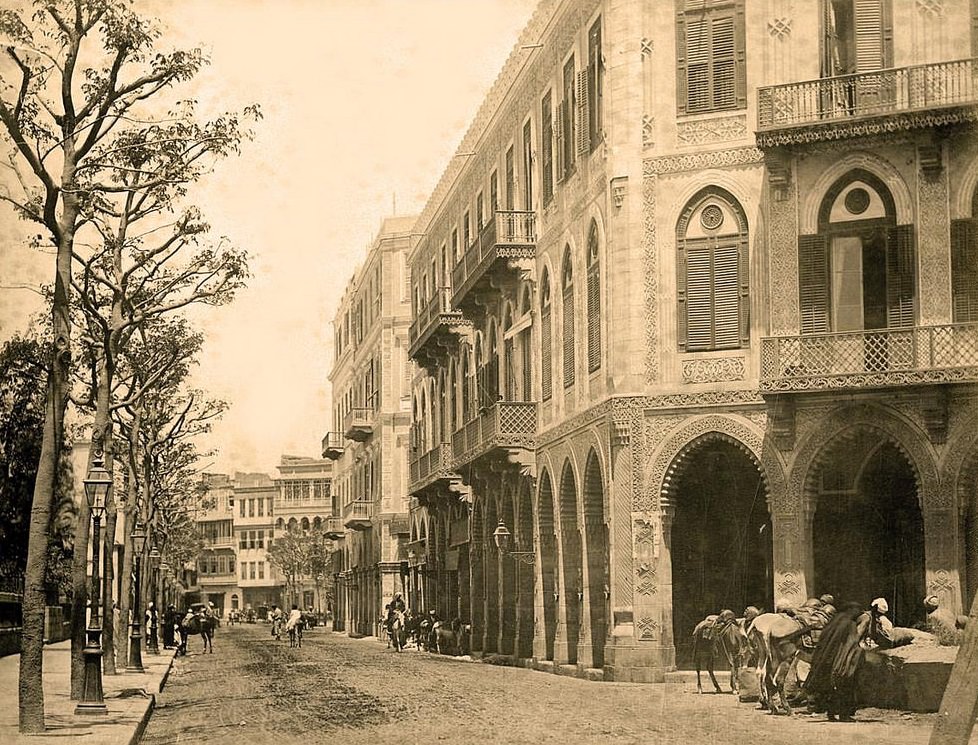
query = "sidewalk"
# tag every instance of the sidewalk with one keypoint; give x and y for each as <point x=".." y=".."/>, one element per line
<point x="129" y="697"/>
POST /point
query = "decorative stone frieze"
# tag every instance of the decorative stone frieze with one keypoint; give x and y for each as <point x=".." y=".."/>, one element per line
<point x="713" y="369"/>
<point x="712" y="130"/>
<point x="740" y="156"/>
<point x="651" y="272"/>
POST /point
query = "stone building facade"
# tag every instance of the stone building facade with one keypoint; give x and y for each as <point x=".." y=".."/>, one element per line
<point x="695" y="310"/>
<point x="368" y="441"/>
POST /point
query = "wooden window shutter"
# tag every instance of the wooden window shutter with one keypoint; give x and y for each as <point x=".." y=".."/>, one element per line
<point x="582" y="113"/>
<point x="546" y="355"/>
<point x="723" y="61"/>
<point x="681" y="91"/>
<point x="593" y="316"/>
<point x="813" y="284"/>
<point x="559" y="135"/>
<point x="527" y="364"/>
<point x="740" y="51"/>
<point x="681" y="272"/>
<point x="886" y="14"/>
<point x="900" y="276"/>
<point x="743" y="279"/>
<point x="510" y="369"/>
<point x="964" y="270"/>
<point x="699" y="300"/>
<point x="568" y="323"/>
<point x="547" y="144"/>
<point x="698" y="83"/>
<point x="869" y="35"/>
<point x="726" y="295"/>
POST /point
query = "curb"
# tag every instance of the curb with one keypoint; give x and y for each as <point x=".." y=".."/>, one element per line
<point x="137" y="734"/>
<point x="166" y="675"/>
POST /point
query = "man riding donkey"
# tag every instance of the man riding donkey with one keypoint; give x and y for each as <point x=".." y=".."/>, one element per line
<point x="394" y="621"/>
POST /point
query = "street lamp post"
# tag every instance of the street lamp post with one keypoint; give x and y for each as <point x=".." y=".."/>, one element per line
<point x="152" y="643"/>
<point x="92" y="702"/>
<point x="135" y="638"/>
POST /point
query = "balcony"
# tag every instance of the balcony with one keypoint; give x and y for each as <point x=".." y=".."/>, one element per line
<point x="436" y="329"/>
<point x="358" y="424"/>
<point x="874" y="102"/>
<point x="333" y="527"/>
<point x="870" y="359"/>
<point x="432" y="469"/>
<point x="221" y="541"/>
<point x="504" y="431"/>
<point x="333" y="445"/>
<point x="357" y="515"/>
<point x="504" y="249"/>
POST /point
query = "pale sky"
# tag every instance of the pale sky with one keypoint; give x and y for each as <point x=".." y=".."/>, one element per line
<point x="362" y="99"/>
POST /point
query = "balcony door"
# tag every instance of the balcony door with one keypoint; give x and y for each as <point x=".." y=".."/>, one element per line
<point x="856" y="39"/>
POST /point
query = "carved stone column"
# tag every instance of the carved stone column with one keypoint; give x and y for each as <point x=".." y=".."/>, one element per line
<point x="941" y="556"/>
<point x="934" y="258"/>
<point x="794" y="563"/>
<point x="477" y="597"/>
<point x="622" y="635"/>
<point x="508" y="598"/>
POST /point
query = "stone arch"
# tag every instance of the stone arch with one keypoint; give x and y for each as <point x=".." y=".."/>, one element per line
<point x="477" y="559"/>
<point x="597" y="549"/>
<point x="547" y="551"/>
<point x="902" y="198"/>
<point x="963" y="203"/>
<point x="960" y="481"/>
<point x="570" y="556"/>
<point x="719" y="182"/>
<point x="523" y="541"/>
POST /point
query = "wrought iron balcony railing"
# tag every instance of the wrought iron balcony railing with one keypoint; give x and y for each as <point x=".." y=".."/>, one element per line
<point x="436" y="328"/>
<point x="358" y="424"/>
<point x="357" y="515"/>
<point x="505" y="425"/>
<point x="333" y="445"/>
<point x="869" y="359"/>
<point x="508" y="237"/>
<point x="908" y="93"/>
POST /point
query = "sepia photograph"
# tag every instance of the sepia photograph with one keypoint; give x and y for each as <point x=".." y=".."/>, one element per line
<point x="488" y="371"/>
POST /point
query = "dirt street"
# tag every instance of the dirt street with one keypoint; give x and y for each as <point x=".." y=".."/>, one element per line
<point x="254" y="689"/>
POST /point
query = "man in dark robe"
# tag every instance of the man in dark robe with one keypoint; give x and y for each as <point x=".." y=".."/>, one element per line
<point x="831" y="683"/>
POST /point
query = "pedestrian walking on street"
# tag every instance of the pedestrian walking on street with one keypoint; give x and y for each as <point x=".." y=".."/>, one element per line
<point x="831" y="683"/>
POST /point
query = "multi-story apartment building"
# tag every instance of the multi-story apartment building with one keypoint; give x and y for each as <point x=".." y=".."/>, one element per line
<point x="254" y="502"/>
<point x="696" y="312"/>
<point x="371" y="385"/>
<point x="306" y="502"/>
<point x="217" y="563"/>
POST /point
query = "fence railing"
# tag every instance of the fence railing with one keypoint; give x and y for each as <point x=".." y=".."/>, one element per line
<point x="358" y="509"/>
<point x="902" y="350"/>
<point x="509" y="422"/>
<point x="332" y="441"/>
<point x="893" y="90"/>
<point x="439" y="305"/>
<point x="505" y="228"/>
<point x="432" y="463"/>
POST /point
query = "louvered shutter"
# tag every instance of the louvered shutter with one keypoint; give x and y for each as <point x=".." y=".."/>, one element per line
<point x="813" y="284"/>
<point x="697" y="65"/>
<point x="682" y="94"/>
<point x="510" y="180"/>
<point x="699" y="300"/>
<point x="546" y="357"/>
<point x="964" y="270"/>
<point x="583" y="124"/>
<point x="559" y="134"/>
<point x="740" y="57"/>
<point x="527" y="364"/>
<point x="726" y="296"/>
<point x="510" y="369"/>
<point x="743" y="279"/>
<point x="723" y="56"/>
<point x="593" y="317"/>
<point x="547" y="143"/>
<point x="869" y="35"/>
<point x="568" y="322"/>
<point x="900" y="276"/>
<point x="681" y="274"/>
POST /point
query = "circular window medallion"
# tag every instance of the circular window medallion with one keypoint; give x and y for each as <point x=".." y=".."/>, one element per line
<point x="857" y="201"/>
<point x="711" y="217"/>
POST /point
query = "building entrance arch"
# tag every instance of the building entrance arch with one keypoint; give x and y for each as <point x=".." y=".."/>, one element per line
<point x="548" y="564"/>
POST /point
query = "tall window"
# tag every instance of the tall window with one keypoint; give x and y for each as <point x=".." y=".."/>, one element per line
<point x="713" y="290"/>
<point x="567" y="288"/>
<point x="547" y="141"/>
<point x="526" y="361"/>
<point x="595" y="83"/>
<point x="546" y="341"/>
<point x="964" y="266"/>
<point x="711" y="62"/>
<point x="466" y="232"/>
<point x="593" y="300"/>
<point x="493" y="193"/>
<point x="456" y="253"/>
<point x="479" y="212"/>
<point x="527" y="166"/>
<point x="509" y="361"/>
<point x="510" y="196"/>
<point x="565" y="131"/>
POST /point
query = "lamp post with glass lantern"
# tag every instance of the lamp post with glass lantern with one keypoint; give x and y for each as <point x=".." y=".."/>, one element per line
<point x="152" y="644"/>
<point x="92" y="702"/>
<point x="135" y="652"/>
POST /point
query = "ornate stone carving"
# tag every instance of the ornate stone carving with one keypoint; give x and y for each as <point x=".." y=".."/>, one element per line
<point x="648" y="130"/>
<point x="647" y="46"/>
<point x="788" y="586"/>
<point x="651" y="270"/>
<point x="645" y="580"/>
<point x="932" y="8"/>
<point x="941" y="583"/>
<point x="934" y="257"/>
<point x="648" y="629"/>
<point x="783" y="252"/>
<point x="619" y="190"/>
<point x="740" y="156"/>
<point x="966" y="374"/>
<point x="704" y="398"/>
<point x="779" y="28"/>
<point x="713" y="370"/>
<point x="714" y="129"/>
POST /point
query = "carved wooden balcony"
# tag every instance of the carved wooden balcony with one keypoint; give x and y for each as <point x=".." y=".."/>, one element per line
<point x="920" y="355"/>
<point x="895" y="99"/>
<point x="333" y="527"/>
<point x="436" y="330"/>
<point x="358" y="424"/>
<point x="504" y="250"/>
<point x="358" y="514"/>
<point x="502" y="434"/>
<point x="433" y="474"/>
<point x="333" y="445"/>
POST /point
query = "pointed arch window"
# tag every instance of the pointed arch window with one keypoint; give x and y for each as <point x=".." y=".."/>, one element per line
<point x="713" y="291"/>
<point x="526" y="351"/>
<point x="964" y="266"/>
<point x="567" y="291"/>
<point x="546" y="340"/>
<point x="593" y="300"/>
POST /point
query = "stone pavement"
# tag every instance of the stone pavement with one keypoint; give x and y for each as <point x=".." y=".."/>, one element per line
<point x="129" y="697"/>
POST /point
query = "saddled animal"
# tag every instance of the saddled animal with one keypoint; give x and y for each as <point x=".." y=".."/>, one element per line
<point x="397" y="629"/>
<point x="719" y="636"/>
<point x="195" y="624"/>
<point x="779" y="640"/>
<point x="451" y="638"/>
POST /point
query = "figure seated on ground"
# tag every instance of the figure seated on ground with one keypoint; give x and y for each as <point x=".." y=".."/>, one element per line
<point x="878" y="632"/>
<point x="943" y="623"/>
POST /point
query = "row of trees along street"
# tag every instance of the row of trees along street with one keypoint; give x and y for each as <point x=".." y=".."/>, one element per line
<point x="101" y="157"/>
<point x="301" y="555"/>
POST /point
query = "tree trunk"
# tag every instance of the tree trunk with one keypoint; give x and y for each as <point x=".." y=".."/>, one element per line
<point x="103" y="425"/>
<point x="108" y="582"/>
<point x="122" y="622"/>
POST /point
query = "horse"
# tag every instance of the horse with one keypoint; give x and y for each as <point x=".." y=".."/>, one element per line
<point x="777" y="640"/>
<point x="718" y="635"/>
<point x="451" y="638"/>
<point x="397" y="629"/>
<point x="196" y="624"/>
